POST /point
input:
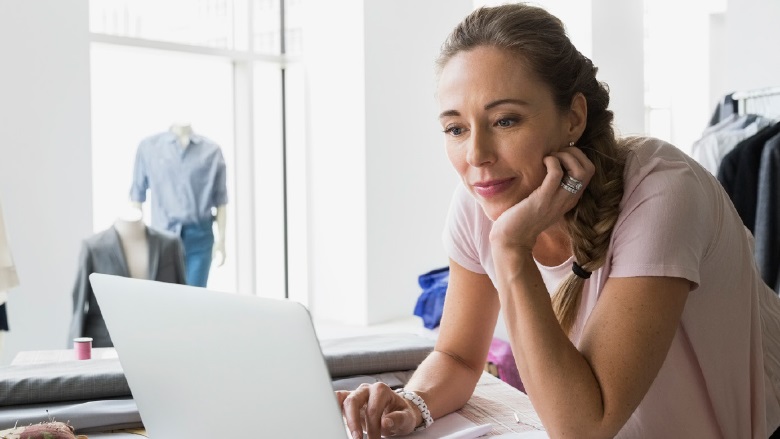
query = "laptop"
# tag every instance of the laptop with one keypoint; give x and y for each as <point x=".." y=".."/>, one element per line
<point x="206" y="364"/>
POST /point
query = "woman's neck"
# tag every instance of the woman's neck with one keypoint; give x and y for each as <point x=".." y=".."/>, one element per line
<point x="553" y="246"/>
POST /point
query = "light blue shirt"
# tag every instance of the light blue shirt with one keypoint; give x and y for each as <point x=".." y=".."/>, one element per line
<point x="187" y="182"/>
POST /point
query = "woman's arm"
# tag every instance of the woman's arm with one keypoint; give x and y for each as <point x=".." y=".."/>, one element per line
<point x="447" y="378"/>
<point x="589" y="392"/>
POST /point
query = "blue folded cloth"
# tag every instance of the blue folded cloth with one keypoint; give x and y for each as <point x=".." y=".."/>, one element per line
<point x="430" y="304"/>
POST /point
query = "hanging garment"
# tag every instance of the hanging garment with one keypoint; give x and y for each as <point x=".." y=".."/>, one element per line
<point x="102" y="253"/>
<point x="767" y="233"/>
<point x="719" y="140"/>
<point x="726" y="107"/>
<point x="738" y="173"/>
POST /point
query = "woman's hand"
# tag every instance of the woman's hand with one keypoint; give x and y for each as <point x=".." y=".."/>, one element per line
<point x="520" y="225"/>
<point x="378" y="410"/>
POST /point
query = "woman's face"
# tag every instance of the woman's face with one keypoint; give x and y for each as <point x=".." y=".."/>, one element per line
<point x="499" y="122"/>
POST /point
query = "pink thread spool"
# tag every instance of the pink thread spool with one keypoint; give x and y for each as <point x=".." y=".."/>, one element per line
<point x="83" y="348"/>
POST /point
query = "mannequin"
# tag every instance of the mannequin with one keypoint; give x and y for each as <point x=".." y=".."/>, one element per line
<point x="186" y="172"/>
<point x="183" y="132"/>
<point x="129" y="249"/>
<point x="135" y="245"/>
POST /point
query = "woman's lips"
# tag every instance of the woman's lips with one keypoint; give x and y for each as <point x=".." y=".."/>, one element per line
<point x="492" y="188"/>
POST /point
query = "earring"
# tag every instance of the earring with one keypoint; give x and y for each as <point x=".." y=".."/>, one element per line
<point x="571" y="143"/>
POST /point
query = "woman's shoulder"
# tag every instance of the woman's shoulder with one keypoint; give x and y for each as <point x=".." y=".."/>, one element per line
<point x="658" y="170"/>
<point x="648" y="158"/>
<point x="642" y="149"/>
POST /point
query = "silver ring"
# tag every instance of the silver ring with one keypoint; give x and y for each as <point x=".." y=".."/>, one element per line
<point x="571" y="184"/>
<point x="569" y="188"/>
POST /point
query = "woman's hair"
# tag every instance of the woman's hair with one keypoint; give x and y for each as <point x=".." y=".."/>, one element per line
<point x="540" y="40"/>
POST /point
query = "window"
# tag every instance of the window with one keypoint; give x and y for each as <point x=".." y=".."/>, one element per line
<point x="218" y="65"/>
<point x="205" y="23"/>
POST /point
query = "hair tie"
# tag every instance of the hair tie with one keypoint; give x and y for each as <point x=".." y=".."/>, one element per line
<point x="579" y="271"/>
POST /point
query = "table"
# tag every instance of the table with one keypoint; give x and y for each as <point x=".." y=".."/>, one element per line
<point x="497" y="402"/>
<point x="493" y="401"/>
<point x="58" y="355"/>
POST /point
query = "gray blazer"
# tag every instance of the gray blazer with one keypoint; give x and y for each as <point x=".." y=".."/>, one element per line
<point x="102" y="253"/>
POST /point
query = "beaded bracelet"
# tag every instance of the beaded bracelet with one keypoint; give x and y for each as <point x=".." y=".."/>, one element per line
<point x="418" y="401"/>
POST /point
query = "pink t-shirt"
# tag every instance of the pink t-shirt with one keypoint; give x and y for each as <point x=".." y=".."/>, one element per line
<point x="721" y="376"/>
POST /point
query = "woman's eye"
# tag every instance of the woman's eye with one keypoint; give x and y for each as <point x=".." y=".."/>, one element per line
<point x="455" y="131"/>
<point x="505" y="123"/>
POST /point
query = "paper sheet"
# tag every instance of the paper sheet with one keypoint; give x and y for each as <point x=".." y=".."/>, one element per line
<point x="496" y="403"/>
<point x="444" y="426"/>
<point x="526" y="435"/>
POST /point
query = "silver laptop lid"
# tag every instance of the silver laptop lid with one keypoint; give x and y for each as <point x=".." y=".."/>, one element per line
<point x="209" y="364"/>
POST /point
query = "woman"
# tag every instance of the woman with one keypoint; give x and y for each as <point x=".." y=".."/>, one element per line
<point x="659" y="324"/>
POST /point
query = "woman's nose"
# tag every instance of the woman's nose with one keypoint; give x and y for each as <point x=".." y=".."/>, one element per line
<point x="480" y="151"/>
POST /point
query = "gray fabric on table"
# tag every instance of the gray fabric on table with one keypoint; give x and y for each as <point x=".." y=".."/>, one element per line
<point x="375" y="353"/>
<point x="393" y="379"/>
<point x="116" y="414"/>
<point x="104" y="378"/>
<point x="84" y="416"/>
<point x="62" y="381"/>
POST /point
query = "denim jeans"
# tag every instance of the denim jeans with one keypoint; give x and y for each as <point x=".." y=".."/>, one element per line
<point x="198" y="241"/>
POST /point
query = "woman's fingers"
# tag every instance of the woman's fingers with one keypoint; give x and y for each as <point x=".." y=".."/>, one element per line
<point x="341" y="395"/>
<point x="398" y="423"/>
<point x="376" y="407"/>
<point x="555" y="173"/>
<point x="576" y="164"/>
<point x="351" y="407"/>
<point x="377" y="410"/>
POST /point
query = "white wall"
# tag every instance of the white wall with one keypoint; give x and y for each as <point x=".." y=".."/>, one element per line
<point x="577" y="18"/>
<point x="335" y="62"/>
<point x="718" y="81"/>
<point x="409" y="179"/>
<point x="752" y="33"/>
<point x="45" y="163"/>
<point x="380" y="183"/>
<point x="742" y="48"/>
<point x="688" y="61"/>
<point x="618" y="52"/>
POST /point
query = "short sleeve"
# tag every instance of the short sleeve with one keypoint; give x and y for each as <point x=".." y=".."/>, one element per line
<point x="460" y="236"/>
<point x="140" y="179"/>
<point x="667" y="221"/>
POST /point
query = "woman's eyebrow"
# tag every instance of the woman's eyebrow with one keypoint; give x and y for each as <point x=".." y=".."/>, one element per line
<point x="449" y="113"/>
<point x="488" y="106"/>
<point x="506" y="101"/>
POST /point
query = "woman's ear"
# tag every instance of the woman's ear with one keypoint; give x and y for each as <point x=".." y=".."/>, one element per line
<point x="578" y="116"/>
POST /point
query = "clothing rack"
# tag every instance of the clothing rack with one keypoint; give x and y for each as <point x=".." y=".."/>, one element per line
<point x="764" y="102"/>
